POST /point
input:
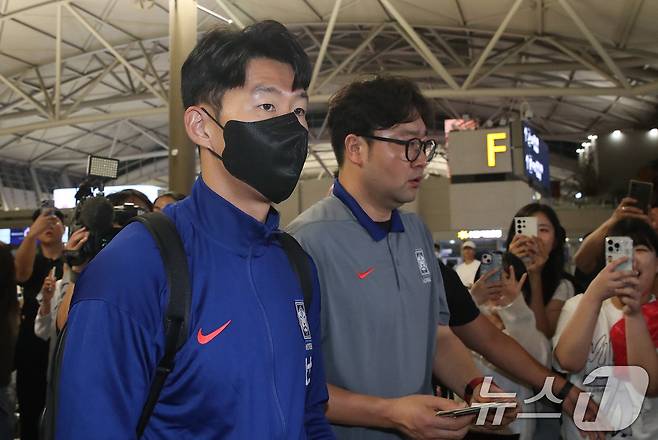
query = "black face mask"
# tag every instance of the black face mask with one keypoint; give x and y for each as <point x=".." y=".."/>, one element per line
<point x="267" y="155"/>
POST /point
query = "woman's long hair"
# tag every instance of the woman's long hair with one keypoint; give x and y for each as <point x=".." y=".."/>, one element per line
<point x="553" y="271"/>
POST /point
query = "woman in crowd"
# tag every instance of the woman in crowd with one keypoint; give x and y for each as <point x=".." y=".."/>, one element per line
<point x="517" y="320"/>
<point x="548" y="285"/>
<point x="9" y="323"/>
<point x="614" y="323"/>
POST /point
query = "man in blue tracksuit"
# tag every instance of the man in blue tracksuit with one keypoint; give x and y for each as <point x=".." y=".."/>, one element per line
<point x="252" y="367"/>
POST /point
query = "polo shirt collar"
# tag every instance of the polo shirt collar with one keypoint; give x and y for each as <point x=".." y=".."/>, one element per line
<point x="374" y="230"/>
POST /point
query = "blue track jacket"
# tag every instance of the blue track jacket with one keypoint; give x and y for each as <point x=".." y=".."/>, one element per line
<point x="249" y="370"/>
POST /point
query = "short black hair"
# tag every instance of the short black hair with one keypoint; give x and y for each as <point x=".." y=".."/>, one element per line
<point x="380" y="103"/>
<point x="219" y="60"/>
<point x="638" y="230"/>
<point x="121" y="197"/>
<point x="56" y="212"/>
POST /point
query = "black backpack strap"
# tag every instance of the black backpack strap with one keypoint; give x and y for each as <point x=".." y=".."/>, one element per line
<point x="300" y="264"/>
<point x="176" y="322"/>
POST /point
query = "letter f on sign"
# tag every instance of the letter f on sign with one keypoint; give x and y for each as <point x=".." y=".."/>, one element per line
<point x="492" y="148"/>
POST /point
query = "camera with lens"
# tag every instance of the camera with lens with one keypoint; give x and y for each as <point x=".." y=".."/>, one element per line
<point x="96" y="213"/>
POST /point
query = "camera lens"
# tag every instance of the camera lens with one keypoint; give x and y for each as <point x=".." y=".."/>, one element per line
<point x="617" y="245"/>
<point x="610" y="249"/>
<point x="609" y="241"/>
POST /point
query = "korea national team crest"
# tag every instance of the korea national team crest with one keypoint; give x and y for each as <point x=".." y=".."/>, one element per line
<point x="303" y="322"/>
<point x="422" y="266"/>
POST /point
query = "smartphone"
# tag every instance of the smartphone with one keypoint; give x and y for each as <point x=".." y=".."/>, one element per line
<point x="642" y="192"/>
<point x="492" y="260"/>
<point x="617" y="247"/>
<point x="526" y="226"/>
<point x="469" y="410"/>
<point x="47" y="206"/>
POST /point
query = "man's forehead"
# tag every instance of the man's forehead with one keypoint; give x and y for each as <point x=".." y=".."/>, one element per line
<point x="415" y="128"/>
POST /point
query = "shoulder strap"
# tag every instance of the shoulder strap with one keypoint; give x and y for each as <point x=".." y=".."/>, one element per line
<point x="176" y="322"/>
<point x="300" y="264"/>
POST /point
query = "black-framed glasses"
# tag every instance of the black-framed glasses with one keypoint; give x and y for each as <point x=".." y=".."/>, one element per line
<point x="412" y="147"/>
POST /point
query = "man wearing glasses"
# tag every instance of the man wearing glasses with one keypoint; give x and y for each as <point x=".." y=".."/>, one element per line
<point x="384" y="311"/>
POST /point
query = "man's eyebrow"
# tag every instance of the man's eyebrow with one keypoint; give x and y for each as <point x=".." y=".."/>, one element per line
<point x="266" y="89"/>
<point x="271" y="89"/>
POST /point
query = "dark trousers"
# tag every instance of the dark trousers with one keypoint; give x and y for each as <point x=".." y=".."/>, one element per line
<point x="31" y="394"/>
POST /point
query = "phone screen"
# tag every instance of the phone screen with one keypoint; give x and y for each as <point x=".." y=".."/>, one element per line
<point x="642" y="192"/>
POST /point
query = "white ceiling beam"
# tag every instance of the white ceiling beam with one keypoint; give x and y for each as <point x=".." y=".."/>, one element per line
<point x="594" y="42"/>
<point x="239" y="23"/>
<point x="512" y="53"/>
<point x="141" y="156"/>
<point x="149" y="63"/>
<point x="492" y="43"/>
<point x="582" y="60"/>
<point x="44" y="92"/>
<point x="627" y="26"/>
<point x="121" y="99"/>
<point x="148" y="134"/>
<point x="24" y="95"/>
<point x="449" y="50"/>
<point x="58" y="63"/>
<point x="18" y="12"/>
<point x="646" y="89"/>
<point x="89" y="87"/>
<point x="114" y="52"/>
<point x="373" y="34"/>
<point x="84" y="120"/>
<point x="432" y="60"/>
<point x="325" y="43"/>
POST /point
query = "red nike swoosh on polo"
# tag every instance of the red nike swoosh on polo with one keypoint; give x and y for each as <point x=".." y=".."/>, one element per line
<point x="204" y="339"/>
<point x="363" y="275"/>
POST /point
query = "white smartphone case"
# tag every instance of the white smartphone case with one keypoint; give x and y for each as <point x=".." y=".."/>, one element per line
<point x="526" y="226"/>
<point x="617" y="247"/>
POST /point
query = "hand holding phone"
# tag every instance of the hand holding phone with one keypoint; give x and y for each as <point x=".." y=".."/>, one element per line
<point x="642" y="192"/>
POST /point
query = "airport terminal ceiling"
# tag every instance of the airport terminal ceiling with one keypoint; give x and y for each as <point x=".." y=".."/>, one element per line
<point x="92" y="77"/>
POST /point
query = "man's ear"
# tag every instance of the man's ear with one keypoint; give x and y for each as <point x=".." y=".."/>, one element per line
<point x="195" y="126"/>
<point x="356" y="149"/>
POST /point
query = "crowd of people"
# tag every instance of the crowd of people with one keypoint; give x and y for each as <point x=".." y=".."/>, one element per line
<point x="371" y="338"/>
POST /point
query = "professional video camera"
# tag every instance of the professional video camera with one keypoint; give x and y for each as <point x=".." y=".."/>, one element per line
<point x="95" y="212"/>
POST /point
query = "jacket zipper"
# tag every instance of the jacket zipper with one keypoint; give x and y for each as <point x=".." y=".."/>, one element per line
<point x="275" y="392"/>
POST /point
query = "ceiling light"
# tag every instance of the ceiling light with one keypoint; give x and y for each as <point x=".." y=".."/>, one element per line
<point x="592" y="137"/>
<point x="585" y="144"/>
<point x="653" y="132"/>
<point x="617" y="134"/>
<point x="579" y="195"/>
<point x="214" y="14"/>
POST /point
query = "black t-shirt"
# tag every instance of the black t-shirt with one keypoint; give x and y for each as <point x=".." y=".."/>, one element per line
<point x="462" y="307"/>
<point x="32" y="351"/>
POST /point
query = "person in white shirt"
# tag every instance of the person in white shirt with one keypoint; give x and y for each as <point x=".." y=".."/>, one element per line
<point x="614" y="323"/>
<point x="470" y="266"/>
